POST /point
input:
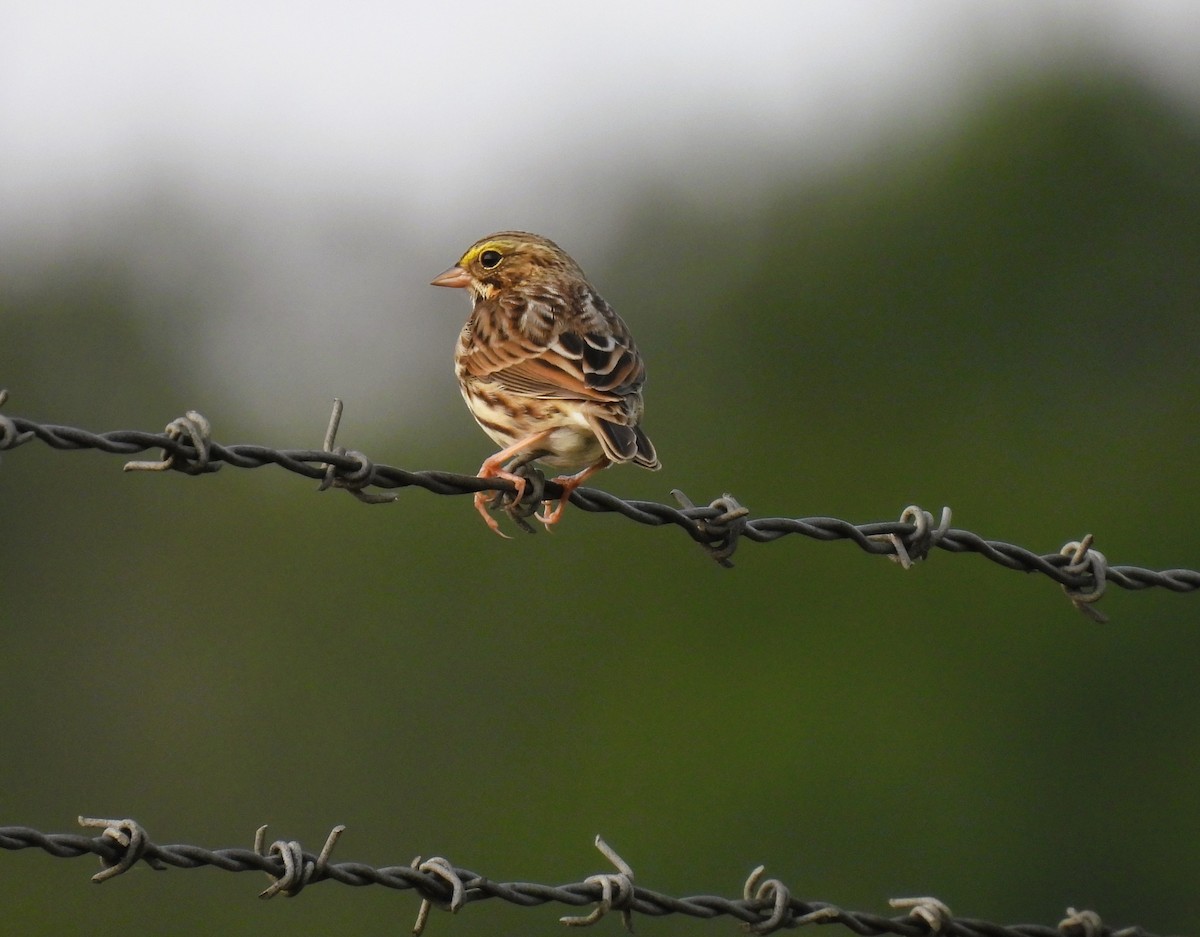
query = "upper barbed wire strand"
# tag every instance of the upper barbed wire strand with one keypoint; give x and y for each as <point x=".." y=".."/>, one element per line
<point x="701" y="523"/>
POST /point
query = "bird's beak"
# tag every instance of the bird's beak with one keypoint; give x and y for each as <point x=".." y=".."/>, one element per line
<point x="455" y="277"/>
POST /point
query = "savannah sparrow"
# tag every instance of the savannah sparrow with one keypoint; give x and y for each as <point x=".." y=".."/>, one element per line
<point x="546" y="366"/>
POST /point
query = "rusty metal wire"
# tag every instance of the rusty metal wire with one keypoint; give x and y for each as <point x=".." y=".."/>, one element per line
<point x="766" y="904"/>
<point x="719" y="527"/>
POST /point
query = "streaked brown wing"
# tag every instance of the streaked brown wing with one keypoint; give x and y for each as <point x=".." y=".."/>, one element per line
<point x="583" y="357"/>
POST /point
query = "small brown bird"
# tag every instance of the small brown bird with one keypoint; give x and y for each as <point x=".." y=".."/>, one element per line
<point x="546" y="366"/>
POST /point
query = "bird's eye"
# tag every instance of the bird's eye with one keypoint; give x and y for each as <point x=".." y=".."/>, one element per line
<point x="490" y="259"/>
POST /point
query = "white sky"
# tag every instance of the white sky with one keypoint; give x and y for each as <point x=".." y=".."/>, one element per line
<point x="450" y="120"/>
<point x="440" y="104"/>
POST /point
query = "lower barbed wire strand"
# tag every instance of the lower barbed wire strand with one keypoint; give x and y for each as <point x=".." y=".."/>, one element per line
<point x="769" y="909"/>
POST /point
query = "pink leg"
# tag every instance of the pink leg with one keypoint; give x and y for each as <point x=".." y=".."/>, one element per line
<point x="569" y="483"/>
<point x="493" y="467"/>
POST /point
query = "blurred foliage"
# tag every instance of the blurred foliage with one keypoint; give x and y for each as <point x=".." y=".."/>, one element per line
<point x="1001" y="317"/>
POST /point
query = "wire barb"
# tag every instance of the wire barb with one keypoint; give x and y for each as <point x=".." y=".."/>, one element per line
<point x="921" y="541"/>
<point x="718" y="535"/>
<point x="129" y="835"/>
<point x="621" y="881"/>
<point x="1093" y="566"/>
<point x="936" y="914"/>
<point x="198" y="430"/>
<point x="10" y="437"/>
<point x="298" y="870"/>
<point x="773" y="891"/>
<point x="1081" y="924"/>
<point x="353" y="480"/>
<point x="447" y="873"/>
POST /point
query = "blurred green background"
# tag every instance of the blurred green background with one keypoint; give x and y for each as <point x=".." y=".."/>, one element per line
<point x="998" y="313"/>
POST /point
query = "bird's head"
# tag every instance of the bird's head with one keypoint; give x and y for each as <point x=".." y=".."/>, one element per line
<point x="506" y="260"/>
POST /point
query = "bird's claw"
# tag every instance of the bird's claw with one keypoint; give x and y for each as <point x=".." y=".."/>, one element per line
<point x="484" y="500"/>
<point x="568" y="483"/>
<point x="550" y="517"/>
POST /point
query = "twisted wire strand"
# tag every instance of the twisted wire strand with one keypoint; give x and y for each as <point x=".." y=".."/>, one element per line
<point x="766" y="905"/>
<point x="718" y="526"/>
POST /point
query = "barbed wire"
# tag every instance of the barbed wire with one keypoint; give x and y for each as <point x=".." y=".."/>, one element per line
<point x="718" y="527"/>
<point x="766" y="905"/>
